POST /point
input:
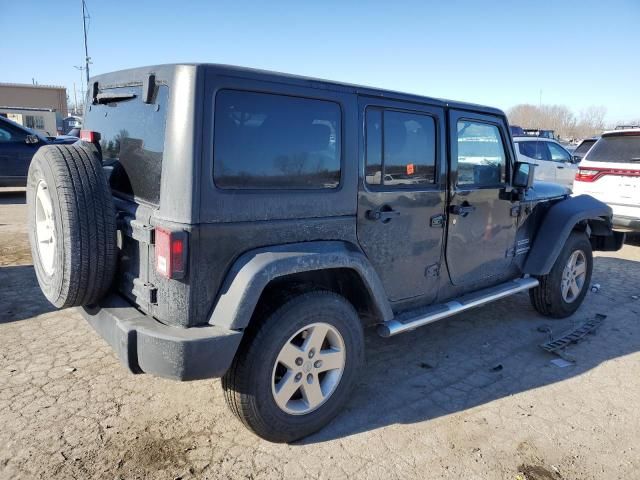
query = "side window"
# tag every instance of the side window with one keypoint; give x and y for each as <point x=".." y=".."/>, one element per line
<point x="5" y="135"/>
<point x="401" y="148"/>
<point x="558" y="154"/>
<point x="267" y="141"/>
<point x="15" y="135"/>
<point x="535" y="149"/>
<point x="481" y="156"/>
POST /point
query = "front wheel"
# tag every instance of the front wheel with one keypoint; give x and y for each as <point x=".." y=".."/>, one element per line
<point x="563" y="289"/>
<point x="294" y="370"/>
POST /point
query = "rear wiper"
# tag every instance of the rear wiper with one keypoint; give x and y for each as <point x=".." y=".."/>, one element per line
<point x="635" y="159"/>
<point x="103" y="98"/>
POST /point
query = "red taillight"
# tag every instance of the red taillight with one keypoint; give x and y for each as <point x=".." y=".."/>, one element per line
<point x="586" y="175"/>
<point x="89" y="136"/>
<point x="171" y="253"/>
<point x="592" y="174"/>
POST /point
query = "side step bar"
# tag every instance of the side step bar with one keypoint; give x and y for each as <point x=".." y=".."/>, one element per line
<point x="434" y="313"/>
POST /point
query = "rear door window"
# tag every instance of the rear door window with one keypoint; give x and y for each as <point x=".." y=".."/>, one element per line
<point x="401" y="148"/>
<point x="132" y="141"/>
<point x="535" y="149"/>
<point x="268" y="141"/>
<point x="623" y="148"/>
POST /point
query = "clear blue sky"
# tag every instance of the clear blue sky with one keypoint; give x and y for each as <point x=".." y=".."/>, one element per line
<point x="579" y="53"/>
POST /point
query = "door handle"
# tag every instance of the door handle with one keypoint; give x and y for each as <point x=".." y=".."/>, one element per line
<point x="559" y="166"/>
<point x="462" y="210"/>
<point x="384" y="214"/>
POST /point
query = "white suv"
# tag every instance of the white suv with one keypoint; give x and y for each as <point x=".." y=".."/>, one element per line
<point x="554" y="162"/>
<point x="610" y="172"/>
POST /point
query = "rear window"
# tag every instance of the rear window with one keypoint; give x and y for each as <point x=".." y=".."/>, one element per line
<point x="267" y="141"/>
<point x="616" y="148"/>
<point x="584" y="147"/>
<point x="132" y="141"/>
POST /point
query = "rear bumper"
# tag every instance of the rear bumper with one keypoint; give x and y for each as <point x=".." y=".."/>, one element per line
<point x="628" y="223"/>
<point x="144" y="345"/>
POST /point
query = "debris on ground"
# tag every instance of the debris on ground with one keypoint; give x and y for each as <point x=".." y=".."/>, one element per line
<point x="561" y="362"/>
<point x="544" y="329"/>
<point x="573" y="336"/>
<point x="497" y="368"/>
<point x="595" y="288"/>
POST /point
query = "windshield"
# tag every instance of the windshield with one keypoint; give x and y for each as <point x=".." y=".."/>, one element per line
<point x="616" y="148"/>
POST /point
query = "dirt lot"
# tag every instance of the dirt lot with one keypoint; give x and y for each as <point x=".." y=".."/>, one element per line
<point x="471" y="397"/>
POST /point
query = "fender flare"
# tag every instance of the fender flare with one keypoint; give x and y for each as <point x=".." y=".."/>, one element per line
<point x="254" y="270"/>
<point x="556" y="227"/>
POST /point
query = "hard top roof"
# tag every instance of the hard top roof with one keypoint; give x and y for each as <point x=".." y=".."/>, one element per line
<point x="123" y="76"/>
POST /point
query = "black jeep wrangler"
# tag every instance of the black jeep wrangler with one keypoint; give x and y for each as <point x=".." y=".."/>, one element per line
<point x="221" y="221"/>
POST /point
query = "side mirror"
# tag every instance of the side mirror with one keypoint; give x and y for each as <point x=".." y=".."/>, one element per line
<point x="575" y="159"/>
<point x="523" y="174"/>
<point x="31" y="139"/>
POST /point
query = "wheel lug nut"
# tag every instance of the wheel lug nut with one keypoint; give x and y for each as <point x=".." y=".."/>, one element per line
<point x="298" y="377"/>
<point x="309" y="378"/>
<point x="298" y="361"/>
<point x="318" y="363"/>
<point x="312" y="352"/>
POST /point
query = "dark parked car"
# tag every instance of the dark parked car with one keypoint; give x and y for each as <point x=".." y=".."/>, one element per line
<point x="516" y="131"/>
<point x="74" y="132"/>
<point x="18" y="145"/>
<point x="221" y="221"/>
<point x="583" y="148"/>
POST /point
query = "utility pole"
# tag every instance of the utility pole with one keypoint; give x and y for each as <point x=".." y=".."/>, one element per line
<point x="81" y="68"/>
<point x="86" y="49"/>
<point x="75" y="100"/>
<point x="540" y="100"/>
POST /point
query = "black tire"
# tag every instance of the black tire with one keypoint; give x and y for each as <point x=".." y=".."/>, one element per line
<point x="547" y="298"/>
<point x="247" y="384"/>
<point x="84" y="221"/>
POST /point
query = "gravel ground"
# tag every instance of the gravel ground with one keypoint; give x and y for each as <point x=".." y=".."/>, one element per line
<point x="470" y="397"/>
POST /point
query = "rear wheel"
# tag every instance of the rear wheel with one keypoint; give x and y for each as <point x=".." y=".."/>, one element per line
<point x="563" y="289"/>
<point x="294" y="370"/>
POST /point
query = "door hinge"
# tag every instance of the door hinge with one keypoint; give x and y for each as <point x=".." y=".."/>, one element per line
<point x="135" y="229"/>
<point x="437" y="221"/>
<point x="432" y="270"/>
<point x="145" y="291"/>
<point x="515" y="211"/>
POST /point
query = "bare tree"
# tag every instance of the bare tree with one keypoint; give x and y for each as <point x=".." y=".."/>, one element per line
<point x="591" y="121"/>
<point x="560" y="119"/>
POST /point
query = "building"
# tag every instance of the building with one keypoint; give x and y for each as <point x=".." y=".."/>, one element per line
<point x="40" y="107"/>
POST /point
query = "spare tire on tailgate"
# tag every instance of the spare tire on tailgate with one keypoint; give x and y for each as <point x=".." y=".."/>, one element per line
<point x="72" y="224"/>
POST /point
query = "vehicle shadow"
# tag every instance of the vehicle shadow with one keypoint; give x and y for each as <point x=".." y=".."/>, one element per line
<point x="13" y="197"/>
<point x="633" y="239"/>
<point x="20" y="294"/>
<point x="484" y="355"/>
